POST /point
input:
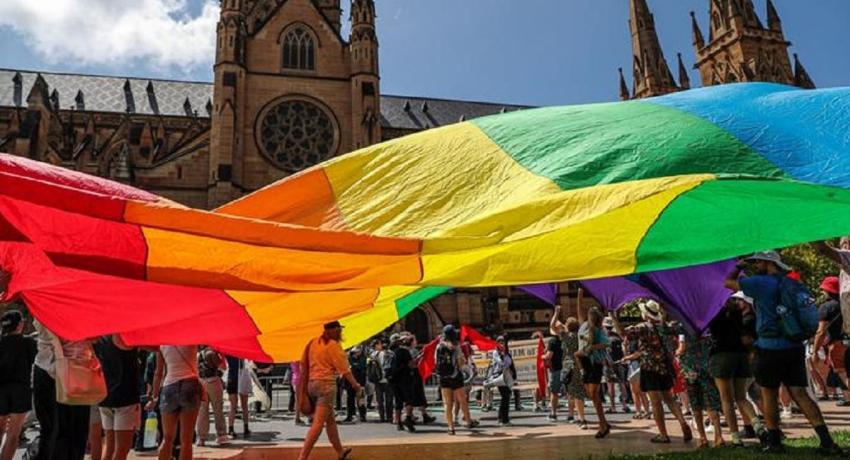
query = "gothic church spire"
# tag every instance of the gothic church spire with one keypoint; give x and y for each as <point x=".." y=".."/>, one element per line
<point x="652" y="76"/>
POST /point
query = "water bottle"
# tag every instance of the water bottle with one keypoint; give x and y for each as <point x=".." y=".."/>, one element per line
<point x="150" y="431"/>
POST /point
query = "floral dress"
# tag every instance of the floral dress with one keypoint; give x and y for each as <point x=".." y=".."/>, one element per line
<point x="694" y="360"/>
<point x="575" y="387"/>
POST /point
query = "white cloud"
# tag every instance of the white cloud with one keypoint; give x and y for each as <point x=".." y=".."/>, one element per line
<point x="147" y="33"/>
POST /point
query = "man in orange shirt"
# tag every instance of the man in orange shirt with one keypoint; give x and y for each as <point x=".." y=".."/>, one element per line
<point x="327" y="360"/>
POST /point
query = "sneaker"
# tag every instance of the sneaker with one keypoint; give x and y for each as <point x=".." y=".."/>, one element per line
<point x="736" y="440"/>
<point x="832" y="450"/>
<point x="552" y="418"/>
<point x="571" y="419"/>
<point x="747" y="433"/>
<point x="222" y="441"/>
<point x="231" y="432"/>
<point x="428" y="419"/>
<point x="786" y="413"/>
<point x="774" y="449"/>
<point x="506" y="424"/>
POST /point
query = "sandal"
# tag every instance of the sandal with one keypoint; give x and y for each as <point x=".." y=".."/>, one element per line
<point x="660" y="439"/>
<point x="582" y="424"/>
<point x="451" y="431"/>
<point x="602" y="434"/>
<point x="345" y="453"/>
<point x="637" y="416"/>
<point x="703" y="444"/>
<point x="472" y="424"/>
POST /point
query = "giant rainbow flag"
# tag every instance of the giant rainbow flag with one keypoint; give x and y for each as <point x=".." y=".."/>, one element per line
<point x="534" y="196"/>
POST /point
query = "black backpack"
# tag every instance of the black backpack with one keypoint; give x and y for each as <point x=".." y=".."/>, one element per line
<point x="388" y="367"/>
<point x="446" y="365"/>
<point x="374" y="373"/>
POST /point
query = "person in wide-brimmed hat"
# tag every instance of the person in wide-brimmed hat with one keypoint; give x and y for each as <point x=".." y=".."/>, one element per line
<point x="656" y="365"/>
<point x="779" y="361"/>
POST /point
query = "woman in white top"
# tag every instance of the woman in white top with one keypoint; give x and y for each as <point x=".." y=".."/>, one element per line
<point x="180" y="399"/>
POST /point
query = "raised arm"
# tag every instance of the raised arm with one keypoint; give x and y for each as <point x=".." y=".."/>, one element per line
<point x="731" y="282"/>
<point x="617" y="326"/>
<point x="582" y="316"/>
<point x="555" y="322"/>
<point x="827" y="251"/>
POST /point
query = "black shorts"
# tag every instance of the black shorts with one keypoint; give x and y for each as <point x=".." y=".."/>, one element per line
<point x="15" y="398"/>
<point x="730" y="366"/>
<point x="773" y="368"/>
<point x="655" y="381"/>
<point x="591" y="372"/>
<point x="232" y="384"/>
<point x="403" y="393"/>
<point x="452" y="383"/>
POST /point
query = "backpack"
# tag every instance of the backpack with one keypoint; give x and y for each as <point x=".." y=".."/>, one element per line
<point x="388" y="367"/>
<point x="797" y="311"/>
<point x="446" y="364"/>
<point x="374" y="372"/>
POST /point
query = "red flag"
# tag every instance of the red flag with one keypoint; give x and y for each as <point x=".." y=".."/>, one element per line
<point x="541" y="368"/>
<point x="478" y="339"/>
<point x="428" y="361"/>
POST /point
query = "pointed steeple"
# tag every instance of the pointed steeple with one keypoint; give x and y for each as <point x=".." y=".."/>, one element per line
<point x="54" y="100"/>
<point x="80" y="100"/>
<point x="801" y="76"/>
<point x="696" y="32"/>
<point x="684" y="80"/>
<point x="39" y="93"/>
<point x="773" y="21"/>
<point x="652" y="76"/>
<point x="18" y="91"/>
<point x="624" y="89"/>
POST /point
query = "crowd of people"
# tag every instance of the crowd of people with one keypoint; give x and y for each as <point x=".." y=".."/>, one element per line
<point x="737" y="380"/>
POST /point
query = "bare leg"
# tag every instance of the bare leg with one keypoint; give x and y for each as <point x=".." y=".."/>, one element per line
<point x="231" y="413"/>
<point x="109" y="451"/>
<point x="727" y="397"/>
<point x="748" y="414"/>
<point x="322" y="414"/>
<point x="675" y="409"/>
<point x="449" y="406"/>
<point x="657" y="401"/>
<point x="187" y="430"/>
<point x="718" y="430"/>
<point x="96" y="440"/>
<point x="703" y="439"/>
<point x="596" y="397"/>
<point x="809" y="408"/>
<point x="123" y="444"/>
<point x="770" y="403"/>
<point x="10" y="432"/>
<point x="580" y="408"/>
<point x="333" y="435"/>
<point x="463" y="402"/>
<point x="169" y="430"/>
<point x="246" y="416"/>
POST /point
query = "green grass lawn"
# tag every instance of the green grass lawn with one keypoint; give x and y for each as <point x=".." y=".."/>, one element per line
<point x="796" y="449"/>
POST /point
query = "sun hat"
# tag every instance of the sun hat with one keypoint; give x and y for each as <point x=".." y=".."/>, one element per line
<point x="770" y="256"/>
<point x="742" y="296"/>
<point x="333" y="325"/>
<point x="651" y="310"/>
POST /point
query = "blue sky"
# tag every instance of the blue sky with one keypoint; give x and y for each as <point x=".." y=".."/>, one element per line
<point x="540" y="52"/>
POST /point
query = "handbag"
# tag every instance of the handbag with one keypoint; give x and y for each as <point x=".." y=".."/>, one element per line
<point x="306" y="403"/>
<point x="79" y="379"/>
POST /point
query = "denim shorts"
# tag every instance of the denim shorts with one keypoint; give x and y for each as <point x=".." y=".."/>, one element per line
<point x="182" y="395"/>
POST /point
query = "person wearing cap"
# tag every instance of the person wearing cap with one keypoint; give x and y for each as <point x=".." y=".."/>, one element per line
<point x="778" y="361"/>
<point x="729" y="366"/>
<point x="17" y="354"/>
<point x="327" y="360"/>
<point x="841" y="257"/>
<point x="656" y="366"/>
<point x="383" y="394"/>
<point x="830" y="332"/>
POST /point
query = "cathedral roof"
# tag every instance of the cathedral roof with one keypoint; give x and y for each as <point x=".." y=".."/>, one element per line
<point x="168" y="98"/>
